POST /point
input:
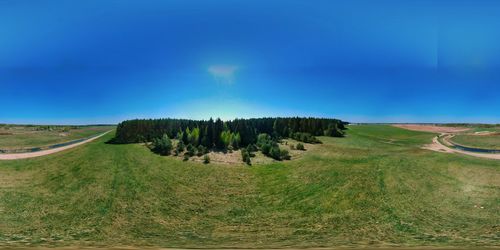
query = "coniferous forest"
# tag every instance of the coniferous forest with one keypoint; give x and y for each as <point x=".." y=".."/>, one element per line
<point x="220" y="134"/>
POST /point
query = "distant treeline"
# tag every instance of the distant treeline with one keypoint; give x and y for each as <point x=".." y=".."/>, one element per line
<point x="217" y="133"/>
<point x="49" y="127"/>
<point x="61" y="128"/>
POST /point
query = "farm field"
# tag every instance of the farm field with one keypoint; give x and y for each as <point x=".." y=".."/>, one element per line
<point x="20" y="136"/>
<point x="374" y="188"/>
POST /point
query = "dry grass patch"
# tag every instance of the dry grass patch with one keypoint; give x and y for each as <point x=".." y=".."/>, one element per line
<point x="233" y="157"/>
<point x="11" y="179"/>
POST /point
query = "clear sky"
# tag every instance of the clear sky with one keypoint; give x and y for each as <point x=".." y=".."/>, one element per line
<point x="98" y="61"/>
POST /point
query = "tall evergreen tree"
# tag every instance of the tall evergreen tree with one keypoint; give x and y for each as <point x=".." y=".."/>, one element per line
<point x="218" y="128"/>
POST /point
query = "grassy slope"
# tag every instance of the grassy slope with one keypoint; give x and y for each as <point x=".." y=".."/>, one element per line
<point x="488" y="142"/>
<point x="374" y="187"/>
<point x="26" y="137"/>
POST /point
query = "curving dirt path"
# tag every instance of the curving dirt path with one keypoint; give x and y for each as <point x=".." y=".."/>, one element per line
<point x="436" y="145"/>
<point x="46" y="152"/>
<point x="446" y="133"/>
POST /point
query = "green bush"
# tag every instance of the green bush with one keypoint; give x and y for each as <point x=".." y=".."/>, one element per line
<point x="245" y="155"/>
<point x="275" y="153"/>
<point x="201" y="150"/>
<point x="266" y="148"/>
<point x="263" y="139"/>
<point x="163" y="145"/>
<point x="284" y="155"/>
<point x="206" y="159"/>
<point x="300" y="146"/>
<point x="191" y="150"/>
<point x="180" y="147"/>
<point x="186" y="156"/>
<point x="252" y="148"/>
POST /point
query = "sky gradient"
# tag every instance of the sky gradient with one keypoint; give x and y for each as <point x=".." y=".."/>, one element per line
<point x="87" y="62"/>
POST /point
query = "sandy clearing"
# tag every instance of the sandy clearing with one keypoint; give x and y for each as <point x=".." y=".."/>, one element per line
<point x="234" y="157"/>
<point x="436" y="145"/>
<point x="46" y="152"/>
<point x="431" y="128"/>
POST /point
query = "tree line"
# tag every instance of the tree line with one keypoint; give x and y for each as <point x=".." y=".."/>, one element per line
<point x="235" y="133"/>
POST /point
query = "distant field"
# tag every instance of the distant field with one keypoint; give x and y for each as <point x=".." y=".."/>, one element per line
<point x="478" y="141"/>
<point x="493" y="128"/>
<point x="18" y="136"/>
<point x="374" y="188"/>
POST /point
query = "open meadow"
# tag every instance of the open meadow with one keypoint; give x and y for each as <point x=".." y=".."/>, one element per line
<point x="28" y="136"/>
<point x="374" y="187"/>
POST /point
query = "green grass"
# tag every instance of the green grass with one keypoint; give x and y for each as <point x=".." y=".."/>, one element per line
<point x="476" y="141"/>
<point x="16" y="137"/>
<point x="375" y="187"/>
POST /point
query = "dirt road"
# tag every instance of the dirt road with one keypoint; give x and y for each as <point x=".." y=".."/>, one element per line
<point x="446" y="133"/>
<point x="46" y="152"/>
<point x="436" y="145"/>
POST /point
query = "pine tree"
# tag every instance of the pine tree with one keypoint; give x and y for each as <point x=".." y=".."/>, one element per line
<point x="226" y="137"/>
<point x="210" y="134"/>
<point x="194" y="136"/>
<point x="218" y="128"/>
<point x="236" y="141"/>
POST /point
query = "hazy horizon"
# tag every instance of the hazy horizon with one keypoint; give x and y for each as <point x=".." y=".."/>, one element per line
<point x="102" y="62"/>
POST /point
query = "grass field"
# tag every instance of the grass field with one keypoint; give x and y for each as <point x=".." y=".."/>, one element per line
<point x="478" y="141"/>
<point x="375" y="187"/>
<point x="18" y="136"/>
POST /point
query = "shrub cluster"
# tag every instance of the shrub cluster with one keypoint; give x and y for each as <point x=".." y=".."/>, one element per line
<point x="270" y="147"/>
<point x="305" y="137"/>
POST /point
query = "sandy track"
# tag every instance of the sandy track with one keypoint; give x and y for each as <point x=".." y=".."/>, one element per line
<point x="46" y="152"/>
<point x="436" y="145"/>
<point x="446" y="133"/>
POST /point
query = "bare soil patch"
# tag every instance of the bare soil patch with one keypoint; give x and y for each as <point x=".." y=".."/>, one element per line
<point x="431" y="128"/>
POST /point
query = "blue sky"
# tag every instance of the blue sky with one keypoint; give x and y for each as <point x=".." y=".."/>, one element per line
<point x="98" y="61"/>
